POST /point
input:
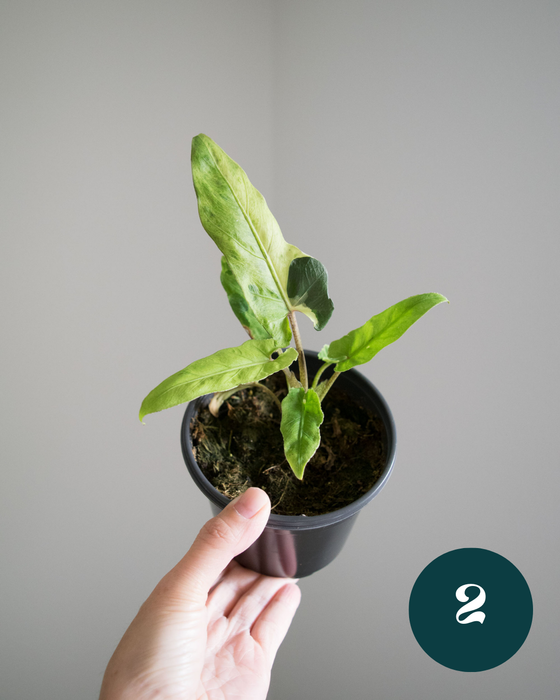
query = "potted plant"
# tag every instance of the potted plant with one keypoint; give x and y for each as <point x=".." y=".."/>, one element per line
<point x="265" y="400"/>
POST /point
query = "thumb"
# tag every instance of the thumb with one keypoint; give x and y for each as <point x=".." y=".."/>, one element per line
<point x="221" y="539"/>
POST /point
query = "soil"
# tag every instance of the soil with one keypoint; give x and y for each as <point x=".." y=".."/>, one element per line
<point x="243" y="447"/>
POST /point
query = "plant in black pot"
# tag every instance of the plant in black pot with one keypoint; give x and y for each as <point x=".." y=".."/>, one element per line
<point x="306" y="427"/>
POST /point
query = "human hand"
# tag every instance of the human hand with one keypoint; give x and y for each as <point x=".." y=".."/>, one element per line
<point x="210" y="629"/>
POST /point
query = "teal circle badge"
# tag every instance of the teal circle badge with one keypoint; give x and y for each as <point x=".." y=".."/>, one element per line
<point x="470" y="609"/>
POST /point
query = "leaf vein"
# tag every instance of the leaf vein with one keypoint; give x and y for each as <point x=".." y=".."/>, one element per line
<point x="260" y="243"/>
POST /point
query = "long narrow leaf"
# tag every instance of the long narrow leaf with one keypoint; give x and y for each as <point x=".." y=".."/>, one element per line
<point x="362" y="344"/>
<point x="301" y="419"/>
<point x="237" y="218"/>
<point x="225" y="369"/>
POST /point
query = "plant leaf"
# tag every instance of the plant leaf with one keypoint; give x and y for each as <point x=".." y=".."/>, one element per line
<point x="301" y="418"/>
<point x="308" y="290"/>
<point x="221" y="371"/>
<point x="239" y="304"/>
<point x="361" y="345"/>
<point x="237" y="218"/>
<point x="324" y="355"/>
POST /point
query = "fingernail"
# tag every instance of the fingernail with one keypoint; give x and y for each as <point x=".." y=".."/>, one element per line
<point x="250" y="502"/>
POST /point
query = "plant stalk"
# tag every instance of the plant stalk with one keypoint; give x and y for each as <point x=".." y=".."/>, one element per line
<point x="327" y="385"/>
<point x="320" y="371"/>
<point x="299" y="348"/>
<point x="291" y="380"/>
<point x="219" y="397"/>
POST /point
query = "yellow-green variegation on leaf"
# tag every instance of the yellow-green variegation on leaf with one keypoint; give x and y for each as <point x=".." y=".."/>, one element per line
<point x="237" y="218"/>
<point x="239" y="304"/>
<point x="225" y="369"/>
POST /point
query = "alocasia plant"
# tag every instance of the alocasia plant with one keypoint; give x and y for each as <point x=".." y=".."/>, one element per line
<point x="267" y="281"/>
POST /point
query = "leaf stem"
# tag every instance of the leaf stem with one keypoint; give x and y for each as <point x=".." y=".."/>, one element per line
<point x="220" y="396"/>
<point x="320" y="371"/>
<point x="291" y="380"/>
<point x="299" y="348"/>
<point x="270" y="393"/>
<point x="327" y="385"/>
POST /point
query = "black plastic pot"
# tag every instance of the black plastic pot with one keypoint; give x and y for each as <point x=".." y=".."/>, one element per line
<point x="297" y="545"/>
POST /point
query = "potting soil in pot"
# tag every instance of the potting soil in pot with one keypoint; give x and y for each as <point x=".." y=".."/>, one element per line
<point x="243" y="447"/>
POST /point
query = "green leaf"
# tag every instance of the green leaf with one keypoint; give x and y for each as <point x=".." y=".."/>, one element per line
<point x="308" y="290"/>
<point x="237" y="218"/>
<point x="362" y="344"/>
<point x="225" y="369"/>
<point x="325" y="356"/>
<point x="239" y="304"/>
<point x="301" y="418"/>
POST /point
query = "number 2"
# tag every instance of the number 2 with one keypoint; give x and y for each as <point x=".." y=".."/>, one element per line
<point x="474" y="604"/>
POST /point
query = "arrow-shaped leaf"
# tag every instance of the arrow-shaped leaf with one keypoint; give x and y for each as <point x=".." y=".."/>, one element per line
<point x="301" y="419"/>
<point x="361" y="345"/>
<point x="225" y="369"/>
<point x="237" y="218"/>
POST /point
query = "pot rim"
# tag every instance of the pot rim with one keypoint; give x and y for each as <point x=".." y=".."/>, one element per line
<point x="299" y="522"/>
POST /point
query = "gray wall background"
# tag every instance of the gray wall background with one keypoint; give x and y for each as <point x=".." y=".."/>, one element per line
<point x="412" y="147"/>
